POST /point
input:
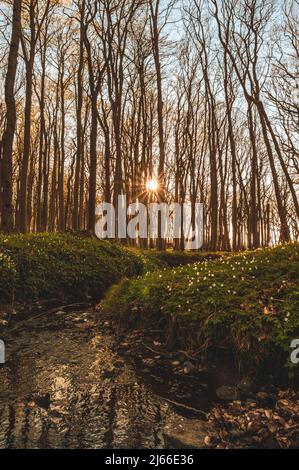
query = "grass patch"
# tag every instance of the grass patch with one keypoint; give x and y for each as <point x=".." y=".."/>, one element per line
<point x="246" y="303"/>
<point x="63" y="266"/>
<point x="69" y="267"/>
<point x="173" y="259"/>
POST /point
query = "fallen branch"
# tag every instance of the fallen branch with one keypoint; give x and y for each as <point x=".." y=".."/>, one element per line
<point x="186" y="407"/>
<point x="48" y="312"/>
<point x="157" y="353"/>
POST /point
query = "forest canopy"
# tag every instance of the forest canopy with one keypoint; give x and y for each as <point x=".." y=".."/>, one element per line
<point x="199" y="98"/>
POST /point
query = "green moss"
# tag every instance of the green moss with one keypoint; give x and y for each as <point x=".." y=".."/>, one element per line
<point x="174" y="259"/>
<point x="41" y="266"/>
<point x="70" y="267"/>
<point x="248" y="303"/>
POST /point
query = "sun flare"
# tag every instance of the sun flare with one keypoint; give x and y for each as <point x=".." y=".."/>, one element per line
<point x="152" y="185"/>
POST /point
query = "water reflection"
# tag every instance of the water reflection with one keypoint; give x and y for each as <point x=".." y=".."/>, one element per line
<point x="60" y="388"/>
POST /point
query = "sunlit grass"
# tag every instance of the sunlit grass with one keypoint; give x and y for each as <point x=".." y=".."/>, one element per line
<point x="247" y="302"/>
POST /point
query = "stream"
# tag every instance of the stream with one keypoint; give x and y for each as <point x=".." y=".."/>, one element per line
<point x="64" y="386"/>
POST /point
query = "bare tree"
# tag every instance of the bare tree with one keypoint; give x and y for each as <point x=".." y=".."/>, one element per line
<point x="9" y="132"/>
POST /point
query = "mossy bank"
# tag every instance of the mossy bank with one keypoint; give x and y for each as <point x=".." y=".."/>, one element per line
<point x="245" y="304"/>
<point x="62" y="266"/>
<point x="70" y="267"/>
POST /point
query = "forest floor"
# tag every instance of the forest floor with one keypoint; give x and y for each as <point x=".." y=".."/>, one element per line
<point x="244" y="306"/>
<point x="209" y="333"/>
<point x="234" y="411"/>
<point x="224" y="326"/>
<point x="69" y="267"/>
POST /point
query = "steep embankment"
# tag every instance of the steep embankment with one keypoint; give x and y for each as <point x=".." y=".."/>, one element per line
<point x="62" y="266"/>
<point x="68" y="267"/>
<point x="247" y="304"/>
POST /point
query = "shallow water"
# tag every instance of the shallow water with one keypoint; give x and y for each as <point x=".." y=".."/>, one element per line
<point x="62" y="386"/>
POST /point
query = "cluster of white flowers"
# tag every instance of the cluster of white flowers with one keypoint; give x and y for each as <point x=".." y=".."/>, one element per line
<point x="222" y="276"/>
<point x="6" y="261"/>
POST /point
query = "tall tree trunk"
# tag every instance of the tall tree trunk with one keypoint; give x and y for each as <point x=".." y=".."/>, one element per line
<point x="284" y="227"/>
<point x="76" y="221"/>
<point x="93" y="165"/>
<point x="229" y="104"/>
<point x="61" y="217"/>
<point x="281" y="160"/>
<point x="161" y="166"/>
<point x="29" y="62"/>
<point x="8" y="137"/>
<point x="254" y="236"/>
<point x="41" y="142"/>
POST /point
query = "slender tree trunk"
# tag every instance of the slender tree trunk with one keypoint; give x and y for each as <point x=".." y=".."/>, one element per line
<point x="45" y="201"/>
<point x="61" y="218"/>
<point x="254" y="237"/>
<point x="41" y="143"/>
<point x="29" y="62"/>
<point x="161" y="166"/>
<point x="281" y="160"/>
<point x="232" y="148"/>
<point x="76" y="221"/>
<point x="8" y="137"/>
<point x="284" y="228"/>
<point x="93" y="165"/>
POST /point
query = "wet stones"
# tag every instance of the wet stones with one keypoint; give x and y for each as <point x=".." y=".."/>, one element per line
<point x="227" y="393"/>
<point x="189" y="368"/>
<point x="246" y="387"/>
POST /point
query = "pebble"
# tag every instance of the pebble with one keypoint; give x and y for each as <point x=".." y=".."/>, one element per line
<point x="227" y="393"/>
